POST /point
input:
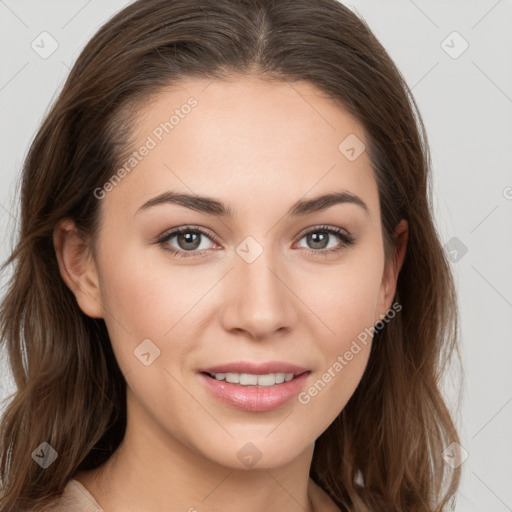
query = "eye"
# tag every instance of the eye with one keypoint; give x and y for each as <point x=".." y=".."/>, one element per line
<point x="187" y="239"/>
<point x="321" y="240"/>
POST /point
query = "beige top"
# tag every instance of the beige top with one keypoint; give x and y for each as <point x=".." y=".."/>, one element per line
<point x="76" y="498"/>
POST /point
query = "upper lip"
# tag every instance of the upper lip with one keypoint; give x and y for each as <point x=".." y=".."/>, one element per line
<point x="255" y="368"/>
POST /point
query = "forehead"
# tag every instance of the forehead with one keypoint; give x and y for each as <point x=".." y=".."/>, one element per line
<point x="249" y="138"/>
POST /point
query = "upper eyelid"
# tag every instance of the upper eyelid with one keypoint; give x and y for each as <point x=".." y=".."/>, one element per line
<point x="324" y="227"/>
<point x="188" y="227"/>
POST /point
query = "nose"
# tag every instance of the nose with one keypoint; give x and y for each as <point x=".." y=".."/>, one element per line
<point x="257" y="299"/>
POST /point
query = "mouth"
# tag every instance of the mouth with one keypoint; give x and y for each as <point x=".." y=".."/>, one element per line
<point x="247" y="373"/>
<point x="254" y="387"/>
<point x="251" y="379"/>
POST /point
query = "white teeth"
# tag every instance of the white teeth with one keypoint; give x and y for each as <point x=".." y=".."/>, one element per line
<point x="248" y="379"/>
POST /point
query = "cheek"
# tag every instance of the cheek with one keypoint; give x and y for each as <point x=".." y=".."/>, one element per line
<point x="346" y="297"/>
<point x="346" y="301"/>
<point x="348" y="306"/>
<point x="144" y="291"/>
<point x="144" y="300"/>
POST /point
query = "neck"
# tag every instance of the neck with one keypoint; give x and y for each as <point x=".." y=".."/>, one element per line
<point x="152" y="470"/>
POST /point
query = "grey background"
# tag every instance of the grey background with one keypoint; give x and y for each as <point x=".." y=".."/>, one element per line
<point x="466" y="103"/>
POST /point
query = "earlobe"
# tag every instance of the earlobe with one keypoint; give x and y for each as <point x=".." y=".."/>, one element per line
<point x="393" y="267"/>
<point x="77" y="267"/>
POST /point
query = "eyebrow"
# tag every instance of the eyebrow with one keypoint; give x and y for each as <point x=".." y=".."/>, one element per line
<point x="219" y="209"/>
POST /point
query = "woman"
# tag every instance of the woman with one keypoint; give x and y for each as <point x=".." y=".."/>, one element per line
<point x="228" y="292"/>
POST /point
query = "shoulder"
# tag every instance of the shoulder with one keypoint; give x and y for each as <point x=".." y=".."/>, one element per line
<point x="75" y="498"/>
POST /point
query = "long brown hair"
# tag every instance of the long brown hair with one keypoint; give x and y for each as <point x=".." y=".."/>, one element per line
<point x="384" y="449"/>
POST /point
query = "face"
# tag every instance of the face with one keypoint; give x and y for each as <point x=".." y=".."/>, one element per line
<point x="263" y="276"/>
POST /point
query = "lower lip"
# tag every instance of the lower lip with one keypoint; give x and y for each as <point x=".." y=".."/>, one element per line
<point x="255" y="398"/>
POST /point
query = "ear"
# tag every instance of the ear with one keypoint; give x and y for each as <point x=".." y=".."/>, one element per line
<point x="77" y="267"/>
<point x="392" y="269"/>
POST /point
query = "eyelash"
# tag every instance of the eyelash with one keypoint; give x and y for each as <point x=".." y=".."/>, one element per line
<point x="346" y="240"/>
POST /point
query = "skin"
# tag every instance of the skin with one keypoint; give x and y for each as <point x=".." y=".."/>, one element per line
<point x="259" y="147"/>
